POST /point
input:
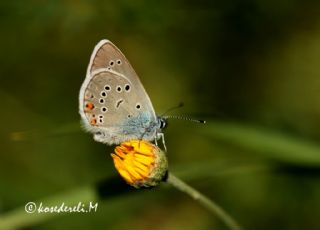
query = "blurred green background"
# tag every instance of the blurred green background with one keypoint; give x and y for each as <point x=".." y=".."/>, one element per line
<point x="250" y="68"/>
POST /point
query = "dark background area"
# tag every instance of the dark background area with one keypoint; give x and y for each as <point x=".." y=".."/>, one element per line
<point x="241" y="65"/>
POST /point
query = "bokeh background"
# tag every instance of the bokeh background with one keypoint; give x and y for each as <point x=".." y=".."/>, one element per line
<point x="250" y="68"/>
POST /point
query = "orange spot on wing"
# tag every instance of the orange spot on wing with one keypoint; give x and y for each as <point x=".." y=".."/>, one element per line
<point x="89" y="107"/>
<point x="93" y="121"/>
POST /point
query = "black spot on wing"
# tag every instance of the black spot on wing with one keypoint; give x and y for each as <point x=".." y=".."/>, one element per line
<point x="119" y="103"/>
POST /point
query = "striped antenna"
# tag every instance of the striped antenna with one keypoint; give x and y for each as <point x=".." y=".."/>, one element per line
<point x="185" y="119"/>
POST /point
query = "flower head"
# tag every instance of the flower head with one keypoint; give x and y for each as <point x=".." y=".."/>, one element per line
<point x="140" y="163"/>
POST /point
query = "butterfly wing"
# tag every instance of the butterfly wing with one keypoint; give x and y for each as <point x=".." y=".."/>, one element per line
<point x="107" y="55"/>
<point x="114" y="109"/>
<point x="128" y="111"/>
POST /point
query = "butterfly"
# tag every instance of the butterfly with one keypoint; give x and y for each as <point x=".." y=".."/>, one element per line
<point x="113" y="103"/>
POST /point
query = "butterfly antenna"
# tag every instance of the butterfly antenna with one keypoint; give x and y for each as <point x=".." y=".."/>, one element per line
<point x="172" y="108"/>
<point x="185" y="119"/>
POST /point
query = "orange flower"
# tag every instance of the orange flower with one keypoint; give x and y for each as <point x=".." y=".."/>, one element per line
<point x="140" y="163"/>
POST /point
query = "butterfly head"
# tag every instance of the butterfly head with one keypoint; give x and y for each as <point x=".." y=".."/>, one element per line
<point x="162" y="122"/>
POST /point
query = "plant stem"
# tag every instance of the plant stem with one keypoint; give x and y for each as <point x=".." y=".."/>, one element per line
<point x="203" y="200"/>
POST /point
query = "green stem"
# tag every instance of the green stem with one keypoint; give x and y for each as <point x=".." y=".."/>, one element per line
<point x="203" y="200"/>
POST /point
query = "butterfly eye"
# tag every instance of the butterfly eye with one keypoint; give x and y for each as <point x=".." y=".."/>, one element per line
<point x="119" y="62"/>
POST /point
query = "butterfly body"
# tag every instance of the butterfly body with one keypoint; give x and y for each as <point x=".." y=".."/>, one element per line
<point x="113" y="103"/>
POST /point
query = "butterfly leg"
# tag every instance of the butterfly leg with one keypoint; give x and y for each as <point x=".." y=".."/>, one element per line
<point x="155" y="141"/>
<point x="161" y="135"/>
